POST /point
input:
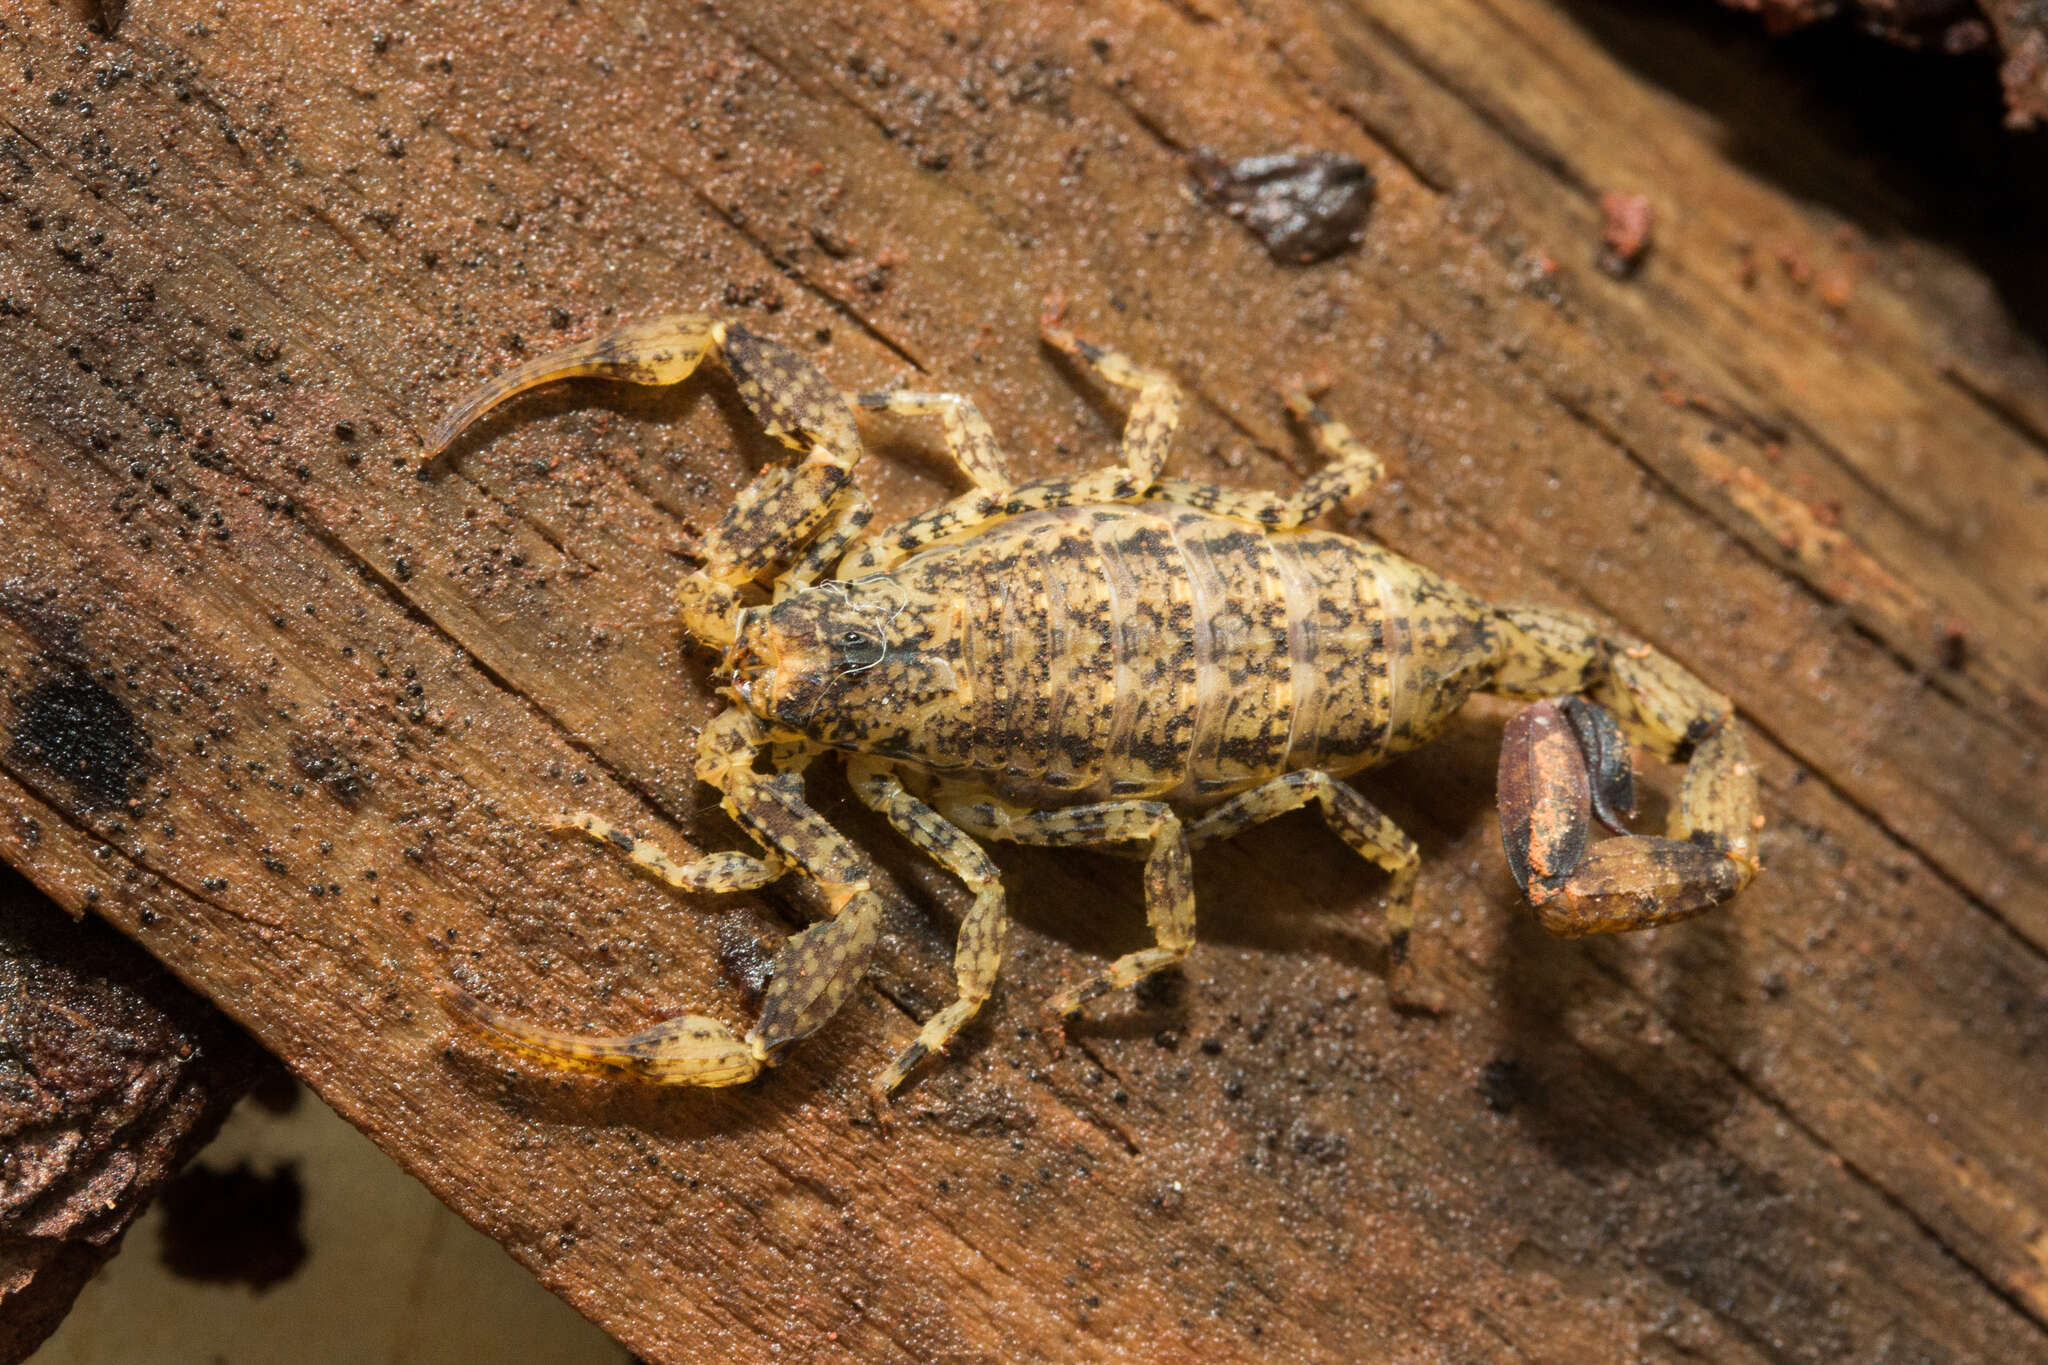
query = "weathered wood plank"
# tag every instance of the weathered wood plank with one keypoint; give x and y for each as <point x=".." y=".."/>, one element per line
<point x="248" y="259"/>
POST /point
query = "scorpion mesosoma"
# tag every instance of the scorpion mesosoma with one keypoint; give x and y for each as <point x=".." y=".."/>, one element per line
<point x="1114" y="658"/>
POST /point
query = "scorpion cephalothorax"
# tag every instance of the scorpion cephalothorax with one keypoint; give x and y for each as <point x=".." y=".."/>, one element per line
<point x="1112" y="658"/>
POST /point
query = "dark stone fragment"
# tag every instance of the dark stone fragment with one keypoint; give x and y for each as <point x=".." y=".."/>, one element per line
<point x="1505" y="1085"/>
<point x="1303" y="206"/>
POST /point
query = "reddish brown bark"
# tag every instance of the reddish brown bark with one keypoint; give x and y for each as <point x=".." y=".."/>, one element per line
<point x="111" y="1076"/>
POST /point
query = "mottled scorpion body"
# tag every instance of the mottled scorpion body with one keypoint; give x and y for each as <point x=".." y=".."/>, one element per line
<point x="1113" y="658"/>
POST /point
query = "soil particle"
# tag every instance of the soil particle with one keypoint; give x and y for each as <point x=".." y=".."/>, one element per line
<point x="1625" y="222"/>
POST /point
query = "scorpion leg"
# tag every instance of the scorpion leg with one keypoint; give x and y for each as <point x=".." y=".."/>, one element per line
<point x="968" y="435"/>
<point x="784" y="508"/>
<point x="978" y="954"/>
<point x="1352" y="474"/>
<point x="712" y="872"/>
<point x="1148" y="432"/>
<point x="1358" y="823"/>
<point x="813" y="974"/>
<point x="1561" y="758"/>
<point x="974" y="449"/>
<point x="831" y="545"/>
<point x="1169" y="883"/>
<point x="1155" y="412"/>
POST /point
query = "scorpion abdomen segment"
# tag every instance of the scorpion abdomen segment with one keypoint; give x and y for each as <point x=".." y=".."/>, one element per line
<point x="1144" y="650"/>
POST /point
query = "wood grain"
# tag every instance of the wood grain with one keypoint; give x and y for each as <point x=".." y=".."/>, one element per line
<point x="247" y="257"/>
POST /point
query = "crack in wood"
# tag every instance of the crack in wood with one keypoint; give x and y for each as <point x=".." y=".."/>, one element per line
<point x="1511" y="130"/>
<point x="2006" y="414"/>
<point x="2031" y="1306"/>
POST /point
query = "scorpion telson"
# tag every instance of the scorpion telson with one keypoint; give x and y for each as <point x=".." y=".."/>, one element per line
<point x="1108" y="658"/>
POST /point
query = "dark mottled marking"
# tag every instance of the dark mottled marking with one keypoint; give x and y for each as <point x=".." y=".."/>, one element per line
<point x="77" y="731"/>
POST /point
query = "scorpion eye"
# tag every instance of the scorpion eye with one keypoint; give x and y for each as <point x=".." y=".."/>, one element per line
<point x="859" y="650"/>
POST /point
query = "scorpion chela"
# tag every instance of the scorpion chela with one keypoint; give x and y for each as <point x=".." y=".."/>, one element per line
<point x="1117" y="658"/>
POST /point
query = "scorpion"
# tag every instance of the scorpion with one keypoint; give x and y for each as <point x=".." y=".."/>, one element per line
<point x="1113" y="659"/>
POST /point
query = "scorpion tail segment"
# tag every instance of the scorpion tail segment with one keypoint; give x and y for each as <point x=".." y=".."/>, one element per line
<point x="1637" y="882"/>
<point x="1563" y="762"/>
<point x="1717" y="801"/>
<point x="663" y="351"/>
<point x="816" y="972"/>
<point x="1611" y="775"/>
<point x="690" y="1050"/>
<point x="1659" y="704"/>
<point x="1545" y="795"/>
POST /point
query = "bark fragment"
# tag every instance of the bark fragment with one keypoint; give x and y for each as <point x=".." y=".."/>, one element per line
<point x="111" y="1076"/>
